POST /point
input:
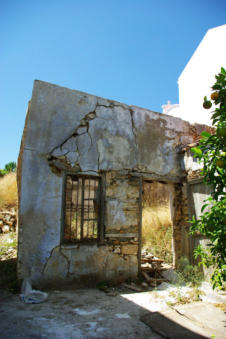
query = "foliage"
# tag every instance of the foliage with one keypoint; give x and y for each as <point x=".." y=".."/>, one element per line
<point x="8" y="262"/>
<point x="9" y="167"/>
<point x="181" y="299"/>
<point x="212" y="154"/>
<point x="188" y="273"/>
<point x="6" y="245"/>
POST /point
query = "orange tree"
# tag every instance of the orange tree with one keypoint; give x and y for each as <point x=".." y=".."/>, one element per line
<point x="212" y="154"/>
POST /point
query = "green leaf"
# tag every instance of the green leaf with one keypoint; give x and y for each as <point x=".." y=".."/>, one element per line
<point x="203" y="207"/>
<point x="216" y="114"/>
<point x="216" y="87"/>
<point x="205" y="134"/>
<point x="223" y="71"/>
<point x="197" y="152"/>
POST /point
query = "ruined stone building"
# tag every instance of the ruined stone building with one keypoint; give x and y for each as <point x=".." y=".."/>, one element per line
<point x="82" y="168"/>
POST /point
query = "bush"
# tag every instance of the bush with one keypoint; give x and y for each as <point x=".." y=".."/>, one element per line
<point x="9" y="167"/>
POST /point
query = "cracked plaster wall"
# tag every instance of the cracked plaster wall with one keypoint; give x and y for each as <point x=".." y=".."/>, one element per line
<point x="78" y="132"/>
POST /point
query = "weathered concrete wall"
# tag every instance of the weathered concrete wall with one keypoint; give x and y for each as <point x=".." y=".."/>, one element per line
<point x="70" y="130"/>
<point x="198" y="192"/>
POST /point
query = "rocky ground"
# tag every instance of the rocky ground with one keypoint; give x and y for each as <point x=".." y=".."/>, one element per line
<point x="8" y="246"/>
<point x="8" y="220"/>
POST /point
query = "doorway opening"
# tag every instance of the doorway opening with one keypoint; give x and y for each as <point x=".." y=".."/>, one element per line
<point x="157" y="230"/>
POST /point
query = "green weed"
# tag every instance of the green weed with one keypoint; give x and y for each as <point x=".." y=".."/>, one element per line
<point x="188" y="273"/>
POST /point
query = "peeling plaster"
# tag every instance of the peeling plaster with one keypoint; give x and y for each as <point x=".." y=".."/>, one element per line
<point x="115" y="209"/>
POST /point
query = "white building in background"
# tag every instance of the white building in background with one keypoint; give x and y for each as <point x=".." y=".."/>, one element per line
<point x="198" y="76"/>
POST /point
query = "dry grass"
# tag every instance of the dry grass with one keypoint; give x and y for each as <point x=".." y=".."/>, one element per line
<point x="8" y="191"/>
<point x="221" y="306"/>
<point x="157" y="231"/>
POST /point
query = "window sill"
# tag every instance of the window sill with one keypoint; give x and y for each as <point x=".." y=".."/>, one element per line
<point x="69" y="246"/>
<point x="77" y="245"/>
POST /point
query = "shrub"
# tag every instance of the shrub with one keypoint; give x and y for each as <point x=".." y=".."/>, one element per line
<point x="188" y="273"/>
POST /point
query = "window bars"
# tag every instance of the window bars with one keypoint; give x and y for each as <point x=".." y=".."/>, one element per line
<point x="82" y="212"/>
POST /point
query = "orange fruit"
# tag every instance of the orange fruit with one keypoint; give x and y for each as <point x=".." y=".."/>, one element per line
<point x="214" y="95"/>
<point x="207" y="104"/>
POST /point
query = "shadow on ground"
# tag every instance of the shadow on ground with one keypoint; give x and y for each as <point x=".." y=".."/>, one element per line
<point x="88" y="313"/>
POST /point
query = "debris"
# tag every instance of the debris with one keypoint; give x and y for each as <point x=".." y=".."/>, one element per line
<point x="154" y="266"/>
<point x="171" y="275"/>
<point x="111" y="292"/>
<point x="144" y="284"/>
<point x="146" y="276"/>
<point x="132" y="287"/>
<point x="5" y="229"/>
<point x="8" y="220"/>
<point x="30" y="296"/>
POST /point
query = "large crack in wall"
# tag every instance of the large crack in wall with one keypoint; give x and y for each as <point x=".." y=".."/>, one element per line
<point x="68" y="155"/>
<point x="76" y="262"/>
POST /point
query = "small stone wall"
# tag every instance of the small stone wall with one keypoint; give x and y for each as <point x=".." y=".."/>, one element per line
<point x="90" y="263"/>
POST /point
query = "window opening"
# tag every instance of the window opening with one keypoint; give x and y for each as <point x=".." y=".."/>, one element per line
<point x="82" y="212"/>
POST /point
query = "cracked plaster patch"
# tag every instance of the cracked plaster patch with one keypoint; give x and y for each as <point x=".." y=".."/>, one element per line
<point x="115" y="152"/>
<point x="116" y="212"/>
<point x="72" y="158"/>
<point x="57" y="265"/>
<point x="115" y="141"/>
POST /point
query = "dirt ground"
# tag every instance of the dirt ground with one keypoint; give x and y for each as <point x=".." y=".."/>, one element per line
<point x="107" y="313"/>
<point x="82" y="313"/>
<point x="91" y="313"/>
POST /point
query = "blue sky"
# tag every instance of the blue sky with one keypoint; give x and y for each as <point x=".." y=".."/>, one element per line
<point x="132" y="51"/>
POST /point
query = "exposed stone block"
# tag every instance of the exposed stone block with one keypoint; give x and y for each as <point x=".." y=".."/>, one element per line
<point x="129" y="249"/>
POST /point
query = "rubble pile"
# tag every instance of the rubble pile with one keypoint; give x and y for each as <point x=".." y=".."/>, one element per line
<point x="8" y="221"/>
<point x="151" y="268"/>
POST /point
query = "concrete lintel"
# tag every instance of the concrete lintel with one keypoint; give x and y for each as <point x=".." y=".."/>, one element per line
<point x="195" y="181"/>
<point x="121" y="235"/>
<point x="155" y="177"/>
